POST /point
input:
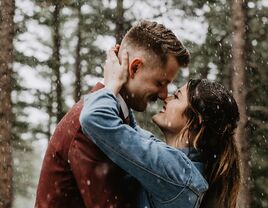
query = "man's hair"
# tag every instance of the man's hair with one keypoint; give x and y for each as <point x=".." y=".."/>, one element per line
<point x="156" y="38"/>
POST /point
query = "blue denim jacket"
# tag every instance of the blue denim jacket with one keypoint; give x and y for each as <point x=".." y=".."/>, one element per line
<point x="168" y="177"/>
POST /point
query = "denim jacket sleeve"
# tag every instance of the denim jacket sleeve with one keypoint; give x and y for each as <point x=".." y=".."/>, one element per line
<point x="157" y="166"/>
<point x="146" y="133"/>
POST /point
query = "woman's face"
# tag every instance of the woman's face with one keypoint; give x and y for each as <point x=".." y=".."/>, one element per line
<point x="171" y="118"/>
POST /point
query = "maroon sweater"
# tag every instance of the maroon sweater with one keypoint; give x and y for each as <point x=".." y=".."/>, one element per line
<point x="76" y="174"/>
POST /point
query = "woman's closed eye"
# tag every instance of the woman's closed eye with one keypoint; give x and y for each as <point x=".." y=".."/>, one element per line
<point x="176" y="96"/>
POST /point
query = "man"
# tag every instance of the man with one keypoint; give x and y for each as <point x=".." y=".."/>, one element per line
<point x="75" y="173"/>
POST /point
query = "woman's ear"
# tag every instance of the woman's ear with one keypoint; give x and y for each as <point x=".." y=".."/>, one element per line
<point x="134" y="66"/>
<point x="200" y="119"/>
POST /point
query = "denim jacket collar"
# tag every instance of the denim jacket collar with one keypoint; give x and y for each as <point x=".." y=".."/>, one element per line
<point x="192" y="154"/>
<point x="123" y="105"/>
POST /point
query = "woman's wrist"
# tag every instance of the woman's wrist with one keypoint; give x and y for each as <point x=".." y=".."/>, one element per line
<point x="115" y="74"/>
<point x="114" y="87"/>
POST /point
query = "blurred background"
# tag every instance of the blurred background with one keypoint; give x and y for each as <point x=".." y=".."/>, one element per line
<point x="52" y="53"/>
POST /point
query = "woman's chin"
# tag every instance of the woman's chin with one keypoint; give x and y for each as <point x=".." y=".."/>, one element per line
<point x="159" y="123"/>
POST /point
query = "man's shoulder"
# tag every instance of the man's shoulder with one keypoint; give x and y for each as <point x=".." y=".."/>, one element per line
<point x="67" y="128"/>
<point x="69" y="125"/>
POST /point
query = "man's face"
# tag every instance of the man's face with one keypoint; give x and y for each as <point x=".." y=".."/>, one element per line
<point x="150" y="83"/>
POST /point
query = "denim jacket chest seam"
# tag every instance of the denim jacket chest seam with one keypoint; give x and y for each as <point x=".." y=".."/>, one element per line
<point x="195" y="191"/>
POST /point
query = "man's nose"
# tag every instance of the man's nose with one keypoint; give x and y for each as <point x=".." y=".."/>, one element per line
<point x="163" y="93"/>
<point x="168" y="99"/>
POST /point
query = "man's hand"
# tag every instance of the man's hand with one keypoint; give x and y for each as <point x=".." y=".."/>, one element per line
<point x="115" y="75"/>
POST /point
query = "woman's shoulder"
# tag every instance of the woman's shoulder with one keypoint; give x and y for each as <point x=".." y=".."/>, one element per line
<point x="197" y="181"/>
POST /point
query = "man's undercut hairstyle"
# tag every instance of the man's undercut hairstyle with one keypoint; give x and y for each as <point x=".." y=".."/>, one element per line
<point x="156" y="38"/>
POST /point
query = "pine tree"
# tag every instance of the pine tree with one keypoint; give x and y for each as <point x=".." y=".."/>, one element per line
<point x="257" y="79"/>
<point x="56" y="58"/>
<point x="77" y="83"/>
<point x="217" y="50"/>
<point x="7" y="8"/>
<point x="240" y="91"/>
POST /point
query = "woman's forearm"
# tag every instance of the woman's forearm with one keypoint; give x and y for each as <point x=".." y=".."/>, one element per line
<point x="145" y="159"/>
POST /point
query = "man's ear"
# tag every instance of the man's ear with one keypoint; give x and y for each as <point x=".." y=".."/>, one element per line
<point x="134" y="65"/>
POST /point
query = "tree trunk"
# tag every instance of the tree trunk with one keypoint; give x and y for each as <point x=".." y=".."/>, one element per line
<point x="239" y="90"/>
<point x="119" y="22"/>
<point x="50" y="111"/>
<point x="7" y="8"/>
<point x="77" y="84"/>
<point x="56" y="59"/>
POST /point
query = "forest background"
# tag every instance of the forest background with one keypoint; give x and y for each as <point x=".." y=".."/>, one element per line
<point x="52" y="53"/>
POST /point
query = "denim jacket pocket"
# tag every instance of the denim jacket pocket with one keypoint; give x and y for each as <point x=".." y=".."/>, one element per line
<point x="186" y="198"/>
<point x="169" y="196"/>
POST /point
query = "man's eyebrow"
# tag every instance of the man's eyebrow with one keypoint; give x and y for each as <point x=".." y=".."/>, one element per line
<point x="165" y="81"/>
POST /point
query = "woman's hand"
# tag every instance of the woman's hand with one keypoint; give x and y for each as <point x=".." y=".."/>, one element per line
<point x="115" y="75"/>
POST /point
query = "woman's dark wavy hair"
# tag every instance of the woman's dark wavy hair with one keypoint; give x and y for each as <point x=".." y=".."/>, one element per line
<point x="212" y="115"/>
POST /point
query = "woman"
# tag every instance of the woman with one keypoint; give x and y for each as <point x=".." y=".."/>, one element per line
<point x="198" y="122"/>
